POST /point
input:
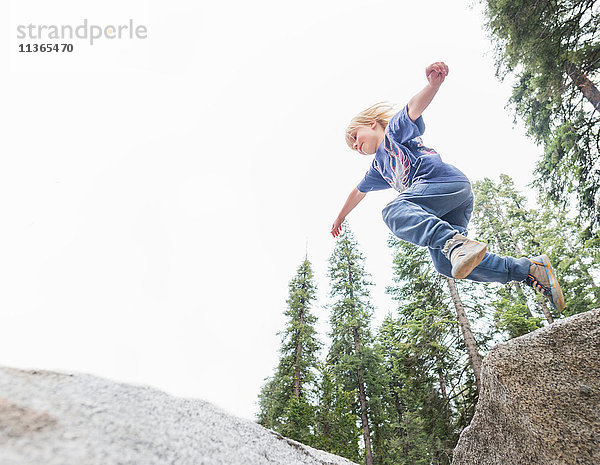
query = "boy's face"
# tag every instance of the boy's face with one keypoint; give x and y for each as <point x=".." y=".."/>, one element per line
<point x="368" y="138"/>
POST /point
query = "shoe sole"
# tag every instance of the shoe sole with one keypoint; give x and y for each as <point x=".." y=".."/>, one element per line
<point x="558" y="300"/>
<point x="463" y="269"/>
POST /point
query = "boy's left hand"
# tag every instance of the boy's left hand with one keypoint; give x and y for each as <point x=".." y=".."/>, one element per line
<point x="436" y="73"/>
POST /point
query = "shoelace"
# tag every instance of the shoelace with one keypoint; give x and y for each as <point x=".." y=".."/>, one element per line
<point x="453" y="245"/>
<point x="531" y="281"/>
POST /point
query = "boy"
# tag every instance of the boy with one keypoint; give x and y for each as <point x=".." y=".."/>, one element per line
<point x="436" y="201"/>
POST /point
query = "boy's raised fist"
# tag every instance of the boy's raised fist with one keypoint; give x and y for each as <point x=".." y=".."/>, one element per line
<point x="436" y="73"/>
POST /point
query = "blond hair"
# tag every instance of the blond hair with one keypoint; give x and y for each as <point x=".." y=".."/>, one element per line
<point x="380" y="112"/>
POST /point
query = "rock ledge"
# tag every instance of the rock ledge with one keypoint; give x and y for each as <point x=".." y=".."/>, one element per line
<point x="58" y="418"/>
<point x="540" y="399"/>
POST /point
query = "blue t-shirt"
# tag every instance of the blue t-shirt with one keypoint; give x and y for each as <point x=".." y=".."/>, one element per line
<point x="402" y="160"/>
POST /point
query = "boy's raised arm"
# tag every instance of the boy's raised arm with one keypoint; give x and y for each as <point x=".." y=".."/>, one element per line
<point x="436" y="73"/>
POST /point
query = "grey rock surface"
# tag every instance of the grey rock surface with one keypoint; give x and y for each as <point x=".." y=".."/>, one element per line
<point x="540" y="399"/>
<point x="50" y="418"/>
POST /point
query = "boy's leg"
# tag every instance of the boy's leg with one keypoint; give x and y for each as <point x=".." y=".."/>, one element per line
<point x="493" y="267"/>
<point x="416" y="214"/>
<point x="536" y="272"/>
<point x="429" y="214"/>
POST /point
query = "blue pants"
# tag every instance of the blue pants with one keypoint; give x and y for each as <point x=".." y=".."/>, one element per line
<point x="430" y="213"/>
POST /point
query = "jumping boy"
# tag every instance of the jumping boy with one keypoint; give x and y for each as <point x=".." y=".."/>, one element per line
<point x="436" y="201"/>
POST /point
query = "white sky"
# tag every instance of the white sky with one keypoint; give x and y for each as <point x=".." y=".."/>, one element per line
<point x="158" y="195"/>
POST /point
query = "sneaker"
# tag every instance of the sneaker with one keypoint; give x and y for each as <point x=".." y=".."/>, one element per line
<point x="464" y="255"/>
<point x="543" y="279"/>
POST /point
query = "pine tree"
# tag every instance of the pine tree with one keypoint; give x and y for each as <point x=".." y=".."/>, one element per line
<point x="503" y="220"/>
<point x="336" y="429"/>
<point x="430" y="393"/>
<point x="553" y="51"/>
<point x="475" y="358"/>
<point x="351" y="353"/>
<point x="408" y="385"/>
<point x="574" y="258"/>
<point x="287" y="400"/>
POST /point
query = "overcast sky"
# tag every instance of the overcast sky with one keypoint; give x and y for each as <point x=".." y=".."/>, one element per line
<point x="157" y="195"/>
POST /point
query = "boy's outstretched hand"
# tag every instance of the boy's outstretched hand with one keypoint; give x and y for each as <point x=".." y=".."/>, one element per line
<point x="337" y="227"/>
<point x="436" y="73"/>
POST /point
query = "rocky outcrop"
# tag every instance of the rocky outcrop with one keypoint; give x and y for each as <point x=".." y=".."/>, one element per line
<point x="56" y="418"/>
<point x="540" y="399"/>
